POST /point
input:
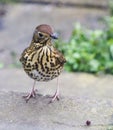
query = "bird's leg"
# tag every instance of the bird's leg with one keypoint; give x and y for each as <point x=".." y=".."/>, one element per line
<point x="31" y="94"/>
<point x="56" y="95"/>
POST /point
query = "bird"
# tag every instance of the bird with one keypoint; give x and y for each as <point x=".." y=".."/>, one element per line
<point x="41" y="60"/>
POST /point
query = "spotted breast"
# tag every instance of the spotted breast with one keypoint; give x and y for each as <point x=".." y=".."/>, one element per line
<point x="41" y="60"/>
<point x="42" y="64"/>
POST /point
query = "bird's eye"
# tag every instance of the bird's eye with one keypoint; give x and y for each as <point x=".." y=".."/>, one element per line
<point x="40" y="35"/>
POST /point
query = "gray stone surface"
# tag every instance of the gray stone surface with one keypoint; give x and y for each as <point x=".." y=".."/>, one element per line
<point x="83" y="97"/>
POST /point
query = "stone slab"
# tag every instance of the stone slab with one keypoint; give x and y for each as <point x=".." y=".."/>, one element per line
<point x="82" y="97"/>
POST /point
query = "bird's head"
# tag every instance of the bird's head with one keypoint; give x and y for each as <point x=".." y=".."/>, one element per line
<point x="43" y="33"/>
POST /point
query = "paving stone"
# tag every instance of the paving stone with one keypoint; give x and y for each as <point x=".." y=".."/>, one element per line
<point x="83" y="97"/>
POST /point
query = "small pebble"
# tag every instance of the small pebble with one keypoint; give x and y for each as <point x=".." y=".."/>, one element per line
<point x="88" y="123"/>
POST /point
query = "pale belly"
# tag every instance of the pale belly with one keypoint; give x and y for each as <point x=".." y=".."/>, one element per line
<point x="38" y="76"/>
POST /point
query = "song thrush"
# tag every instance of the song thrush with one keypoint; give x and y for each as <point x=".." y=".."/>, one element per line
<point x="41" y="60"/>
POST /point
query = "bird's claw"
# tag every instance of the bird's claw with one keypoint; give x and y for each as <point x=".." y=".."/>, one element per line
<point x="30" y="95"/>
<point x="55" y="96"/>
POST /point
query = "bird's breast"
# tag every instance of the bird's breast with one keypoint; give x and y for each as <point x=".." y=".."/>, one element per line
<point x="41" y="64"/>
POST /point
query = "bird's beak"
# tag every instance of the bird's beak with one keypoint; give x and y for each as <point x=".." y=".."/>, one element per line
<point x="54" y="36"/>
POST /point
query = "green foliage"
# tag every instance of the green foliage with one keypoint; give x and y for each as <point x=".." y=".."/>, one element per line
<point x="110" y="5"/>
<point x="89" y="50"/>
<point x="1" y="65"/>
<point x="8" y="1"/>
<point x="110" y="127"/>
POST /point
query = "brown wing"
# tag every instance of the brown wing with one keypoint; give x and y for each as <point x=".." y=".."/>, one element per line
<point x="60" y="59"/>
<point x="23" y="56"/>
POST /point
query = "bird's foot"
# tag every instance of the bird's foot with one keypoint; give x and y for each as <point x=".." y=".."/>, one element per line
<point x="30" y="95"/>
<point x="55" y="96"/>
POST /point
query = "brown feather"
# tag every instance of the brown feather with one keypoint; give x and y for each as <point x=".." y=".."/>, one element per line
<point x="45" y="29"/>
<point x="41" y="60"/>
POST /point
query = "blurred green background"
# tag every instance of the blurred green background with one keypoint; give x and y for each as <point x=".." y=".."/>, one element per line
<point x="90" y="50"/>
<point x="87" y="48"/>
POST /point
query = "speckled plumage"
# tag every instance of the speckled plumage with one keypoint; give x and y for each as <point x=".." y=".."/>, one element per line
<point x="41" y="60"/>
